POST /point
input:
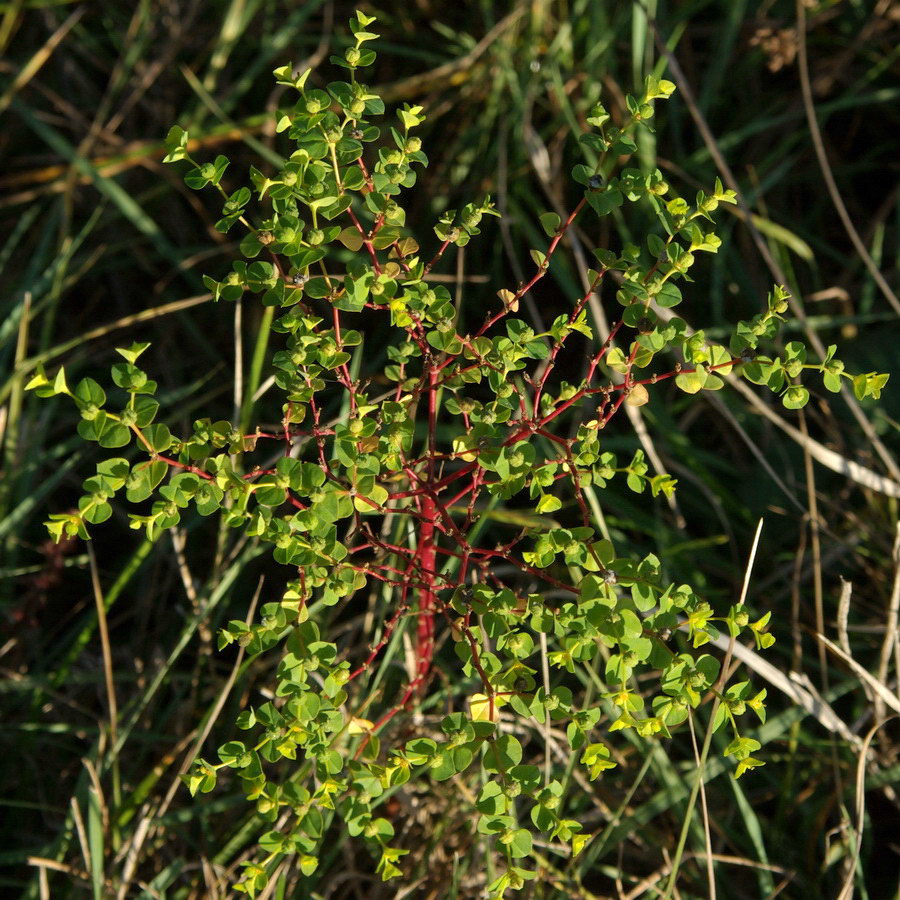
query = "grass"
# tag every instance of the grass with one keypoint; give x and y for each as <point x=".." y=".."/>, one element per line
<point x="112" y="676"/>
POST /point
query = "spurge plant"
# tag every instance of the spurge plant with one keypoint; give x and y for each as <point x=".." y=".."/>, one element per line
<point x="430" y="458"/>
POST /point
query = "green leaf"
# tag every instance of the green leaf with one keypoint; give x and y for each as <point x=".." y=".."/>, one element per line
<point x="795" y="397"/>
<point x="869" y="385"/>
<point x="502" y="754"/>
<point x="550" y="223"/>
<point x="617" y="360"/>
<point x="201" y="777"/>
<point x="158" y="437"/>
<point x="741" y="748"/>
<point x="143" y="479"/>
<point x="133" y="352"/>
<point x="548" y="504"/>
<point x="88" y="394"/>
<point x="112" y="435"/>
<point x="176" y="144"/>
<point x="208" y="498"/>
<point x="668" y="295"/>
<point x="604" y="202"/>
<point x="691" y="382"/>
<point x="519" y="843"/>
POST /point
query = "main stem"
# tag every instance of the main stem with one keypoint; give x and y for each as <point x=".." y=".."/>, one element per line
<point x="426" y="551"/>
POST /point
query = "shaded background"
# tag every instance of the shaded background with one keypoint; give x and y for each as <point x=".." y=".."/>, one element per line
<point x="101" y="245"/>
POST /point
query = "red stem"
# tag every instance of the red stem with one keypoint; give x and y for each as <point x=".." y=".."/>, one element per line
<point x="367" y="243"/>
<point x="437" y="256"/>
<point x="426" y="549"/>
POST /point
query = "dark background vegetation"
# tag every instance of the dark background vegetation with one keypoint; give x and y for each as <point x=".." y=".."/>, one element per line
<point x="94" y="231"/>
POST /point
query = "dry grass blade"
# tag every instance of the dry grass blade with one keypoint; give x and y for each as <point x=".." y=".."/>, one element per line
<point x="731" y="643"/>
<point x="453" y="72"/>
<point x="704" y="806"/>
<point x="9" y="418"/>
<point x="644" y="887"/>
<point x="825" y="166"/>
<point x="797" y="692"/>
<point x="57" y="866"/>
<point x="751" y="445"/>
<point x="847" y="888"/>
<point x="33" y="66"/>
<point x="53" y="179"/>
<point x="843" y="614"/>
<point x="815" y="524"/>
<point x="891" y="644"/>
<point x="81" y="832"/>
<point x="145" y="315"/>
<point x="144" y="828"/>
<point x="880" y="689"/>
<point x="112" y="705"/>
